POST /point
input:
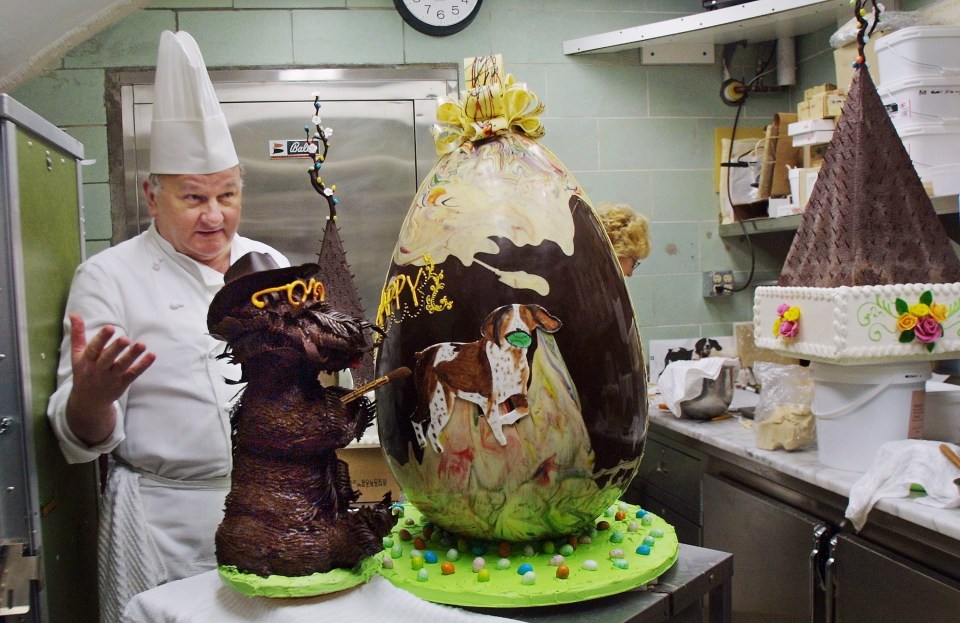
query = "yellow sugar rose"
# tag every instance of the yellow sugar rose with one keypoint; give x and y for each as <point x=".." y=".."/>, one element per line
<point x="919" y="310"/>
<point x="776" y="326"/>
<point x="906" y="321"/>
<point x="938" y="311"/>
<point x="792" y="314"/>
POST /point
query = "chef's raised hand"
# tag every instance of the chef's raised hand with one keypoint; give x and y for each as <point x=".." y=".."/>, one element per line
<point x="102" y="372"/>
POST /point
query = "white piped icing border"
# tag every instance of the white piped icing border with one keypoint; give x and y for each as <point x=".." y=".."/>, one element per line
<point x="857" y="324"/>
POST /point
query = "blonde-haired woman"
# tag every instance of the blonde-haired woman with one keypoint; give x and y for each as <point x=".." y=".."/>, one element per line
<point x="628" y="232"/>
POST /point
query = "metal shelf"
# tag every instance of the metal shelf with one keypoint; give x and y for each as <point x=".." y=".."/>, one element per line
<point x="762" y="20"/>
<point x="761" y="226"/>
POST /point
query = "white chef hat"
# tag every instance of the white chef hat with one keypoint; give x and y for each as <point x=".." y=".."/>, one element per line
<point x="188" y="134"/>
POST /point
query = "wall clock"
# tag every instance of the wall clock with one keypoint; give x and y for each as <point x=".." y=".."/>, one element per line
<point x="438" y="18"/>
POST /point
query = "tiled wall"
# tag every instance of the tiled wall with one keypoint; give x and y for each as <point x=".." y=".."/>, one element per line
<point x="630" y="133"/>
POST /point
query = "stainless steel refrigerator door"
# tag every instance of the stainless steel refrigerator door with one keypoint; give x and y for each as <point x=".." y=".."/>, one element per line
<point x="380" y="149"/>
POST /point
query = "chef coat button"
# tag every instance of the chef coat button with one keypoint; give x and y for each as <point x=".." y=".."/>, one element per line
<point x="156" y="265"/>
<point x="176" y="305"/>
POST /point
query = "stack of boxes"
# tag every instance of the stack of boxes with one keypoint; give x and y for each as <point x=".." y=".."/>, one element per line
<point x="813" y="130"/>
<point x="919" y="70"/>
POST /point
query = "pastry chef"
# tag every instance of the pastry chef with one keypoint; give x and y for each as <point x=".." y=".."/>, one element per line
<point x="139" y="378"/>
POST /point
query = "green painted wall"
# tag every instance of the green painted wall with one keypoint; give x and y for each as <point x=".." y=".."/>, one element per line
<point x="630" y="133"/>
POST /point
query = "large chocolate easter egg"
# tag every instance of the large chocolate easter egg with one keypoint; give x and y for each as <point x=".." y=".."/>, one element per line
<point x="525" y="415"/>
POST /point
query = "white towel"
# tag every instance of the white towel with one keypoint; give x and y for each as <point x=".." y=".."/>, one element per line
<point x="682" y="380"/>
<point x="205" y="599"/>
<point x="897" y="466"/>
<point x="129" y="561"/>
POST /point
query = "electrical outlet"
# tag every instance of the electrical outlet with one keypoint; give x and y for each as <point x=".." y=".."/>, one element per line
<point x="717" y="283"/>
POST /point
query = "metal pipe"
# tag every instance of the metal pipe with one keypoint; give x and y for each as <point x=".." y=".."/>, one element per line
<point x="786" y="61"/>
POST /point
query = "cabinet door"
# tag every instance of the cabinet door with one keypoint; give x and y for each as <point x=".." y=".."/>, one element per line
<point x="773" y="547"/>
<point x="872" y="584"/>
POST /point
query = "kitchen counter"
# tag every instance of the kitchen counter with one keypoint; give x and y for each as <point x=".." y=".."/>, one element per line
<point x="734" y="438"/>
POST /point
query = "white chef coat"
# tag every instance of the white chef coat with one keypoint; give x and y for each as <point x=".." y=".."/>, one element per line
<point x="173" y="424"/>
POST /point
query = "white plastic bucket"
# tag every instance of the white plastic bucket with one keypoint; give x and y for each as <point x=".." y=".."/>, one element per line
<point x="859" y="408"/>
<point x="919" y="101"/>
<point x="931" y="145"/>
<point x="918" y="51"/>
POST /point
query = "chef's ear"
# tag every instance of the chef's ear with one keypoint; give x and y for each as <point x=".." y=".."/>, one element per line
<point x="151" y="188"/>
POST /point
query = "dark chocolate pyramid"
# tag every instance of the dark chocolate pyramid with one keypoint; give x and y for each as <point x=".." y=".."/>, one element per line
<point x="869" y="220"/>
<point x="341" y="290"/>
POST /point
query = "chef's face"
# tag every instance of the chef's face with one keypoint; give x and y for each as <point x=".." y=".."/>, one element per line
<point x="198" y="214"/>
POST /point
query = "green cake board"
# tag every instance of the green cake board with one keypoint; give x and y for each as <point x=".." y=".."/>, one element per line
<point x="506" y="588"/>
<point x="303" y="586"/>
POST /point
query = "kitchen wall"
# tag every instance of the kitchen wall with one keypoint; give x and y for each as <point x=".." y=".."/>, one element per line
<point x="630" y="133"/>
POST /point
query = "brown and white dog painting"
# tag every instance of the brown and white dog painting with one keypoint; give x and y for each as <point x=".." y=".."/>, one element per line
<point x="492" y="373"/>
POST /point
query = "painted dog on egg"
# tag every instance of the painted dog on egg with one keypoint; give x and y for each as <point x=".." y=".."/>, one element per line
<point x="492" y="373"/>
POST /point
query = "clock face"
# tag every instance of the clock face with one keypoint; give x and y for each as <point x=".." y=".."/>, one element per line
<point x="438" y="17"/>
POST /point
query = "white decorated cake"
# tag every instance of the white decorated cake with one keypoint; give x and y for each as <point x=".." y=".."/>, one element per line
<point x="871" y="276"/>
<point x="861" y="324"/>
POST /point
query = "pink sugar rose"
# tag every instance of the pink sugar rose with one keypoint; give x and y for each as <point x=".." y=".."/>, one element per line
<point x="782" y="308"/>
<point x="928" y="330"/>
<point x="789" y="328"/>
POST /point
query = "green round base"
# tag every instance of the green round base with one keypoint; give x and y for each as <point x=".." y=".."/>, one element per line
<point x="505" y="588"/>
<point x="301" y="586"/>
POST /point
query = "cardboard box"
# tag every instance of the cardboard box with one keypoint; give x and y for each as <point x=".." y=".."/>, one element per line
<point x="779" y="156"/>
<point x="844" y="57"/>
<point x="803" y="110"/>
<point x="810" y="125"/>
<point x="817" y="137"/>
<point x="817" y="90"/>
<point x="808" y="178"/>
<point x="369" y="473"/>
<point x="827" y="105"/>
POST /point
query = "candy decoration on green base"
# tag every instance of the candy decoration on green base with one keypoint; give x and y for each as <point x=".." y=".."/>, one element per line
<point x="526" y="414"/>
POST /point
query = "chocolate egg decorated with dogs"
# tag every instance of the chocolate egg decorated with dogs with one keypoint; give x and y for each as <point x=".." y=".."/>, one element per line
<point x="526" y="412"/>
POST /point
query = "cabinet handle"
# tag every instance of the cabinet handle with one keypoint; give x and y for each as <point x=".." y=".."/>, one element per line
<point x="830" y="571"/>
<point x="661" y="467"/>
<point x="822" y="534"/>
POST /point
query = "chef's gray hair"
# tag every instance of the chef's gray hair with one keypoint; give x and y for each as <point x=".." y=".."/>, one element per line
<point x="155" y="185"/>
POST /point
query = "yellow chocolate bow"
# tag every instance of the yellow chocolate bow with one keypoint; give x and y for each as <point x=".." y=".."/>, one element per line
<point x="486" y="111"/>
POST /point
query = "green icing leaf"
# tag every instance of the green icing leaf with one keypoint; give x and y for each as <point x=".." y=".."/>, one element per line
<point x="907" y="336"/>
<point x="927" y="297"/>
<point x="902" y="306"/>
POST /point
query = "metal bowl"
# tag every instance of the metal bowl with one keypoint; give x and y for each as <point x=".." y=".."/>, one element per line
<point x="715" y="397"/>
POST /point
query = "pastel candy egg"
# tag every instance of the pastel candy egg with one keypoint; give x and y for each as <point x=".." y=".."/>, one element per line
<point x="478" y="564"/>
<point x="524" y="568"/>
<point x="503" y="563"/>
<point x="483" y="575"/>
<point x="423" y="575"/>
<point x="528" y="578"/>
<point x="590" y="565"/>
